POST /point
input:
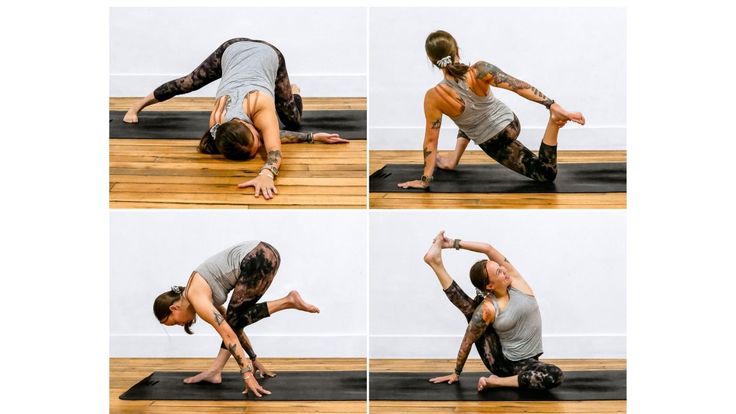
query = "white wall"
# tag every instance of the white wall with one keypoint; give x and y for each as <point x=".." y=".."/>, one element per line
<point x="325" y="48"/>
<point x="323" y="256"/>
<point x="574" y="260"/>
<point x="576" y="56"/>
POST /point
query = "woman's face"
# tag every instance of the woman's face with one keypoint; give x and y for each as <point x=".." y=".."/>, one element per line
<point x="179" y="315"/>
<point x="256" y="138"/>
<point x="497" y="276"/>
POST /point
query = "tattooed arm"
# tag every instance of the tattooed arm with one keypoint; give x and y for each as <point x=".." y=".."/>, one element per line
<point x="265" y="120"/>
<point x="496" y="77"/>
<point x="292" y="137"/>
<point x="210" y="314"/>
<point x="482" y="317"/>
<point x="433" y="118"/>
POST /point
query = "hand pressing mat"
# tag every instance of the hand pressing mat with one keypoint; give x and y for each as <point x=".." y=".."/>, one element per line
<point x="495" y="178"/>
<point x="415" y="386"/>
<point x="350" y="124"/>
<point x="286" y="386"/>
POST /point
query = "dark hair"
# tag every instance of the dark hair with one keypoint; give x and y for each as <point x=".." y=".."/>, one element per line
<point x="162" y="304"/>
<point x="234" y="140"/>
<point x="479" y="275"/>
<point x="440" y="44"/>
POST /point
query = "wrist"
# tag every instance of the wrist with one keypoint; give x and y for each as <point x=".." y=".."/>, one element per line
<point x="549" y="104"/>
<point x="458" y="372"/>
<point x="426" y="180"/>
<point x="266" y="172"/>
<point x="456" y="244"/>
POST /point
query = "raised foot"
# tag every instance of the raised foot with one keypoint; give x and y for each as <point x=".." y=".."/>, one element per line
<point x="296" y="300"/>
<point x="131" y="117"/>
<point x="207" y="376"/>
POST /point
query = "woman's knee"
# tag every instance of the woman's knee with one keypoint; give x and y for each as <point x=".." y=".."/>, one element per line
<point x="541" y="378"/>
<point x="546" y="175"/>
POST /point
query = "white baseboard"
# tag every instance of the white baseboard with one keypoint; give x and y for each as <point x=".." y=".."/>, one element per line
<point x="318" y="85"/>
<point x="183" y="345"/>
<point x="570" y="138"/>
<point x="446" y="346"/>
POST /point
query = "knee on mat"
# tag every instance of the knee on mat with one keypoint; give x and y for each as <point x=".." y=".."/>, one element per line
<point x="544" y="379"/>
<point x="547" y="176"/>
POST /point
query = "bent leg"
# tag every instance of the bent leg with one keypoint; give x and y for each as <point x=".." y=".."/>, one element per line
<point x="461" y="300"/>
<point x="537" y="375"/>
<point x="289" y="106"/>
<point x="512" y="154"/>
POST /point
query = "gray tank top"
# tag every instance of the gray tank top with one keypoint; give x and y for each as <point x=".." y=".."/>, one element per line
<point x="519" y="326"/>
<point x="246" y="67"/>
<point x="221" y="271"/>
<point x="484" y="116"/>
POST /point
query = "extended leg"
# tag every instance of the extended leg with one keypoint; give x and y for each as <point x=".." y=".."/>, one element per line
<point x="207" y="71"/>
<point x="512" y="154"/>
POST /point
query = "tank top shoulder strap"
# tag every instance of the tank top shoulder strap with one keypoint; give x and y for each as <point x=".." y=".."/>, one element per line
<point x="495" y="304"/>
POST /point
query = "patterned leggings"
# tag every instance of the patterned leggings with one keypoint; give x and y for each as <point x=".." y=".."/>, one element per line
<point x="288" y="106"/>
<point x="257" y="270"/>
<point x="533" y="374"/>
<point x="512" y="154"/>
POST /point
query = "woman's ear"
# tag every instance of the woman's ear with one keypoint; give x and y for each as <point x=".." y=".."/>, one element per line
<point x="174" y="306"/>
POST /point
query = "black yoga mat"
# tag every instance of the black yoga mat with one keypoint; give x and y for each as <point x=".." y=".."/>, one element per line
<point x="577" y="386"/>
<point x="495" y="178"/>
<point x="286" y="386"/>
<point x="350" y="124"/>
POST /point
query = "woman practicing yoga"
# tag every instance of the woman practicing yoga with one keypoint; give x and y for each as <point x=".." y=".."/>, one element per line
<point x="254" y="93"/>
<point x="248" y="270"/>
<point x="504" y="321"/>
<point x="466" y="97"/>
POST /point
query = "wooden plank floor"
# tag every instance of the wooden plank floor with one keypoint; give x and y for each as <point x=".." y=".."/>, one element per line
<point x="157" y="173"/>
<point x="378" y="159"/>
<point x="531" y="407"/>
<point x="126" y="372"/>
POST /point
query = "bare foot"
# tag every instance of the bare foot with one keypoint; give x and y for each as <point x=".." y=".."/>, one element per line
<point x="131" y="117"/>
<point x="488" y="382"/>
<point x="434" y="254"/>
<point x="482" y="384"/>
<point x="560" y="121"/>
<point x="206" y="376"/>
<point x="443" y="163"/>
<point x="296" y="300"/>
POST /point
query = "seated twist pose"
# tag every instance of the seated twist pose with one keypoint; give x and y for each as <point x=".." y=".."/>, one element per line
<point x="247" y="269"/>
<point x="254" y="93"/>
<point x="465" y="96"/>
<point x="504" y="321"/>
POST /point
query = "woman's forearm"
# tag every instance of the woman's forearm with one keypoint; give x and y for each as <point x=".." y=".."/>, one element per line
<point x="292" y="137"/>
<point x="236" y="350"/>
<point x="485" y="248"/>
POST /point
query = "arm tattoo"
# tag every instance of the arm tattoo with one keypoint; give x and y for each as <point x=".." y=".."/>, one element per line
<point x="476" y="328"/>
<point x="233" y="348"/>
<point x="273" y="160"/>
<point x="427" y="153"/>
<point x="500" y="77"/>
<point x="290" y="137"/>
<point x="218" y="318"/>
<point x="437" y="124"/>
<point x="274" y="157"/>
